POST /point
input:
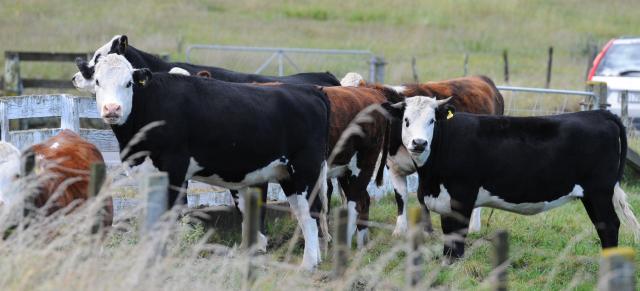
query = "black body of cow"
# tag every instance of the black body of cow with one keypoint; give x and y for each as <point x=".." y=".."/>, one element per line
<point x="526" y="160"/>
<point x="141" y="59"/>
<point x="230" y="129"/>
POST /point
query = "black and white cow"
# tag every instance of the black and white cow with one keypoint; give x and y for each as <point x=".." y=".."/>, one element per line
<point x="227" y="134"/>
<point x="524" y="165"/>
<point x="84" y="81"/>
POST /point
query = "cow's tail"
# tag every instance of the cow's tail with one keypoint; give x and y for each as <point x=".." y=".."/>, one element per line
<point x="620" y="203"/>
<point x="625" y="213"/>
<point x="383" y="155"/>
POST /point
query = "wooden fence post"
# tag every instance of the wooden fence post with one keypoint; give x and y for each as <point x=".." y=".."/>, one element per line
<point x="4" y="121"/>
<point x="505" y="58"/>
<point x="414" y="70"/>
<point x="340" y="247"/>
<point x="617" y="269"/>
<point x="501" y="245"/>
<point x="12" y="80"/>
<point x="154" y="187"/>
<point x="601" y="92"/>
<point x="624" y="108"/>
<point x="250" y="227"/>
<point x="416" y="239"/>
<point x="549" y="66"/>
<point x="96" y="180"/>
<point x="70" y="118"/>
<point x="466" y="64"/>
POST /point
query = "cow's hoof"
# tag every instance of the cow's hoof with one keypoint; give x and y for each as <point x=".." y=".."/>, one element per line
<point x="363" y="237"/>
<point x="428" y="229"/>
<point x="401" y="228"/>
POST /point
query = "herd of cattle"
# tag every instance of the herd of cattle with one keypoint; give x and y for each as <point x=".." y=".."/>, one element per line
<point x="239" y="130"/>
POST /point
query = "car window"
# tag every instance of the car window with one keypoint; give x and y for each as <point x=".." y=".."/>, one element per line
<point x="621" y="59"/>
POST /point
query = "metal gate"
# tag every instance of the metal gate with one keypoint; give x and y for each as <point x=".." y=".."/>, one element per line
<point x="283" y="57"/>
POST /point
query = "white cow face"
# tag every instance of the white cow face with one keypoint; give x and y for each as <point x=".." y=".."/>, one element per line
<point x="9" y="169"/>
<point x="83" y="80"/>
<point x="418" y="122"/>
<point x="114" y="80"/>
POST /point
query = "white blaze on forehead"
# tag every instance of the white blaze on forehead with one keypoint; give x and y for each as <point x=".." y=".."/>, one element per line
<point x="417" y="124"/>
<point x="351" y="79"/>
<point x="112" y="74"/>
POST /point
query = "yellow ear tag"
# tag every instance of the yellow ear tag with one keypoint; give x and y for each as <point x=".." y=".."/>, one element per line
<point x="142" y="82"/>
<point x="449" y="115"/>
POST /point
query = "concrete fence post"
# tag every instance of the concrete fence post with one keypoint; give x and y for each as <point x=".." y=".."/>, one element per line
<point x="154" y="187"/>
<point x="69" y="115"/>
<point x="340" y="247"/>
<point x="501" y="246"/>
<point x="617" y="269"/>
<point x="415" y="260"/>
<point x="12" y="80"/>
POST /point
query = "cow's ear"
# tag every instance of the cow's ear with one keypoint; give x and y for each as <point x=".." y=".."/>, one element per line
<point x="445" y="111"/>
<point x="119" y="45"/>
<point x="83" y="67"/>
<point x="141" y="77"/>
<point x="395" y="110"/>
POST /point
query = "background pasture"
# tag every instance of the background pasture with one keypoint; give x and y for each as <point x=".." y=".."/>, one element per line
<point x="554" y="250"/>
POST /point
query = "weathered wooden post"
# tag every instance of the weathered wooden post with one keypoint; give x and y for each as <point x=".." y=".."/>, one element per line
<point x="549" y="66"/>
<point x="340" y="247"/>
<point x="624" y="108"/>
<point x="505" y="58"/>
<point x="250" y="227"/>
<point x="466" y="64"/>
<point x="12" y="80"/>
<point x="154" y="187"/>
<point x="376" y="69"/>
<point x="70" y="118"/>
<point x="97" y="176"/>
<point x="600" y="91"/>
<point x="501" y="246"/>
<point x="4" y="121"/>
<point x="617" y="269"/>
<point x="414" y="70"/>
<point x="416" y="239"/>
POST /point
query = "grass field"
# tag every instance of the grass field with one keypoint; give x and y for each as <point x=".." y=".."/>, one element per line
<point x="552" y="251"/>
<point x="438" y="33"/>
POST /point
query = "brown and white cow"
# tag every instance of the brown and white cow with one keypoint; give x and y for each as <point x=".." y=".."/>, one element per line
<point x="474" y="94"/>
<point x="65" y="160"/>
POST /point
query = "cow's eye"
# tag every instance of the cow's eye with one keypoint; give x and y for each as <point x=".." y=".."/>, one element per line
<point x="406" y="120"/>
<point x="129" y="84"/>
<point x="431" y="121"/>
<point x="97" y="82"/>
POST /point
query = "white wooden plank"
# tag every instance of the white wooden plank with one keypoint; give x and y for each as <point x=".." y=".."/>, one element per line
<point x="69" y="113"/>
<point x="22" y="139"/>
<point x="87" y="107"/>
<point x="4" y="122"/>
<point x="103" y="139"/>
<point x="32" y="106"/>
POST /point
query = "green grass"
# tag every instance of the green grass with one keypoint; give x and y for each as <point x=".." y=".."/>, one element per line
<point x="438" y="33"/>
<point x="554" y="250"/>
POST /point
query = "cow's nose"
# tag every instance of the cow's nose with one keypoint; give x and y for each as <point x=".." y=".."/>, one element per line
<point x="112" y="109"/>
<point x="419" y="144"/>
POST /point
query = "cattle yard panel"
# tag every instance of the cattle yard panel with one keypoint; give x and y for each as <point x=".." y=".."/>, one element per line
<point x="14" y="84"/>
<point x="547" y="101"/>
<point x="284" y="57"/>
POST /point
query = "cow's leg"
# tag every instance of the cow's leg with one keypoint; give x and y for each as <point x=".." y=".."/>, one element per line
<point x="426" y="220"/>
<point x="455" y="228"/>
<point x="599" y="206"/>
<point x="262" y="239"/>
<point x="177" y="165"/>
<point x="476" y="220"/>
<point x="298" y="188"/>
<point x="399" y="182"/>
<point x="346" y="186"/>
